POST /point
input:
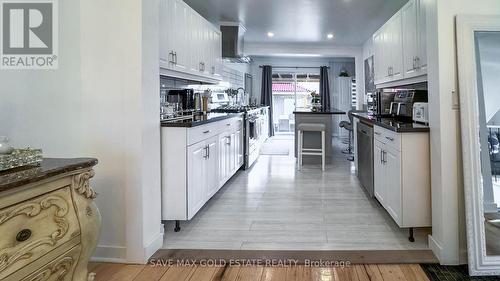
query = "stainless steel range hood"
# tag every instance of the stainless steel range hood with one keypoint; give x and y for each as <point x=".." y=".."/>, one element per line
<point x="233" y="42"/>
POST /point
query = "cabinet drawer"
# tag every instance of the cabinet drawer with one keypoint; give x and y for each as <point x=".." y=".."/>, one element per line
<point x="232" y="124"/>
<point x="200" y="133"/>
<point x="387" y="137"/>
<point x="35" y="227"/>
<point x="60" y="269"/>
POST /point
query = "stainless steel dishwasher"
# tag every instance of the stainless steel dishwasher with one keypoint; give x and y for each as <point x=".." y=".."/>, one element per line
<point x="365" y="156"/>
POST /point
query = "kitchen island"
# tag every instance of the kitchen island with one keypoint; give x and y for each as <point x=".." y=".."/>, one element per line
<point x="313" y="139"/>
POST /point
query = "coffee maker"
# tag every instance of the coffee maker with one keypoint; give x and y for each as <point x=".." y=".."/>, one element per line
<point x="382" y="102"/>
<point x="402" y="105"/>
<point x="185" y="99"/>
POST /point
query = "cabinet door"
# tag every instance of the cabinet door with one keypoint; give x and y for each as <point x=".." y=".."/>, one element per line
<point x="197" y="154"/>
<point x="239" y="148"/>
<point x="167" y="34"/>
<point x="212" y="166"/>
<point x="217" y="55"/>
<point x="422" y="36"/>
<point x="393" y="184"/>
<point x="378" y="56"/>
<point x="396" y="43"/>
<point x="233" y="154"/>
<point x="410" y="42"/>
<point x="193" y="23"/>
<point x="223" y="158"/>
<point x="180" y="28"/>
<point x="379" y="173"/>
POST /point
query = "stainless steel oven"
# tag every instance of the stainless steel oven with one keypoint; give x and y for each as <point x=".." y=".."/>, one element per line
<point x="253" y="138"/>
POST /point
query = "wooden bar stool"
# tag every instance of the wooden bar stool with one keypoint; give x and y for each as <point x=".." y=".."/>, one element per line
<point x="311" y="127"/>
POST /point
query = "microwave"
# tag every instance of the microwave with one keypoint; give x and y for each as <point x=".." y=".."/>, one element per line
<point x="421" y="112"/>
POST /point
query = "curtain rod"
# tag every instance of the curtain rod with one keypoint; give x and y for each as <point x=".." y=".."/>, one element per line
<point x="296" y="67"/>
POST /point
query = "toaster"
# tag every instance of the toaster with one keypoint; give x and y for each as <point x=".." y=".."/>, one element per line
<point x="421" y="112"/>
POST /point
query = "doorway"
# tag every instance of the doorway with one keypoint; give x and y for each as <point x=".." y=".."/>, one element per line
<point x="291" y="90"/>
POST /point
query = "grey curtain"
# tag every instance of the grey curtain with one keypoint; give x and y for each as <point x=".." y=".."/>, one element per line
<point x="266" y="95"/>
<point x="324" y="88"/>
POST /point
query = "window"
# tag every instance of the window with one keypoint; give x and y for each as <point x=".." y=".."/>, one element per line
<point x="291" y="90"/>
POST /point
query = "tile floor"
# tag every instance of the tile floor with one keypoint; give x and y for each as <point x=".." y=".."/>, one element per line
<point x="272" y="206"/>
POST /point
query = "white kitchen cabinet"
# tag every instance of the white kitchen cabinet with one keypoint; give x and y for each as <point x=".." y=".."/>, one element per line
<point x="196" y="163"/>
<point x="414" y="38"/>
<point x="402" y="176"/>
<point x="190" y="46"/>
<point x="379" y="172"/>
<point x="196" y="173"/>
<point x="400" y="51"/>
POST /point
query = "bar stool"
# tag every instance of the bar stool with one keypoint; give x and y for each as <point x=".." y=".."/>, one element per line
<point x="311" y="127"/>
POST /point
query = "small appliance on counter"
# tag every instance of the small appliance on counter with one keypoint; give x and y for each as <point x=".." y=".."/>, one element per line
<point x="185" y="99"/>
<point x="421" y="112"/>
<point x="382" y="102"/>
<point x="402" y="106"/>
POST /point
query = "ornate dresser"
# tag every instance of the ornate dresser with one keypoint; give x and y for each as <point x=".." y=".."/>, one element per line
<point x="49" y="223"/>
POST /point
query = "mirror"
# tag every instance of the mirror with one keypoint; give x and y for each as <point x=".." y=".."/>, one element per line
<point x="478" y="43"/>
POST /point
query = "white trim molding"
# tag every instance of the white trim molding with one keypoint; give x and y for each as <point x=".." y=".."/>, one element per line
<point x="479" y="262"/>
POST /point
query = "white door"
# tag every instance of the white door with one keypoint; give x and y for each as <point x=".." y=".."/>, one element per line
<point x="393" y="184"/>
<point x="422" y="36"/>
<point x="232" y="154"/>
<point x="378" y="56"/>
<point x="212" y="166"/>
<point x="410" y="42"/>
<point x="197" y="155"/>
<point x="379" y="172"/>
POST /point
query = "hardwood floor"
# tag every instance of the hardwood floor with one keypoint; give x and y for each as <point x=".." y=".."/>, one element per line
<point x="272" y="206"/>
<point x="385" y="272"/>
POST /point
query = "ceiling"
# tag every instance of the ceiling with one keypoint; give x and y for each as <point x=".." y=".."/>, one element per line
<point x="302" y="21"/>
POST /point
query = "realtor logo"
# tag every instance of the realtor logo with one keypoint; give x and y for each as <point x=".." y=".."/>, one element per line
<point x="29" y="34"/>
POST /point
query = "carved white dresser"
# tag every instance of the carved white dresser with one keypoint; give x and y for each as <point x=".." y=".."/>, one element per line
<point x="49" y="223"/>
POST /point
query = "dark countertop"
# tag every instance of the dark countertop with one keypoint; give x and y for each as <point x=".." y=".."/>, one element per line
<point x="331" y="111"/>
<point x="199" y="120"/>
<point x="391" y="123"/>
<point x="49" y="167"/>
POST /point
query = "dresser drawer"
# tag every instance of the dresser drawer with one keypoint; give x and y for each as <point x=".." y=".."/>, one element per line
<point x="387" y="137"/>
<point x="200" y="133"/>
<point x="60" y="269"/>
<point x="32" y="228"/>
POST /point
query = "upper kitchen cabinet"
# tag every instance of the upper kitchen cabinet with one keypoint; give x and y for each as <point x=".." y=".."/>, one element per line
<point x="414" y="39"/>
<point x="190" y="46"/>
<point x="388" y="47"/>
<point x="400" y="47"/>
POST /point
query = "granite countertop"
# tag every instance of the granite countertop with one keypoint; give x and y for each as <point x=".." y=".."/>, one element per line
<point x="49" y="167"/>
<point x="332" y="111"/>
<point x="391" y="123"/>
<point x="199" y="120"/>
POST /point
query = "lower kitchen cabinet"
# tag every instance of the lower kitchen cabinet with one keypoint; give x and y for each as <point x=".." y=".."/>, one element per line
<point x="203" y="161"/>
<point x="196" y="163"/>
<point x="402" y="176"/>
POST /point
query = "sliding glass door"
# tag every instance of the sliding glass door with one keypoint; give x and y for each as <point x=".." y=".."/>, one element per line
<point x="291" y="91"/>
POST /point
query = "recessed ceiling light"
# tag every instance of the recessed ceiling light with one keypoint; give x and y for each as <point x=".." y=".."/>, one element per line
<point x="270" y="34"/>
<point x="329" y="36"/>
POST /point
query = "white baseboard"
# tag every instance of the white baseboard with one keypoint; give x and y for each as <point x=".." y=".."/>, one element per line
<point x="154" y="245"/>
<point x="435" y="247"/>
<point x="117" y="254"/>
<point x="114" y="254"/>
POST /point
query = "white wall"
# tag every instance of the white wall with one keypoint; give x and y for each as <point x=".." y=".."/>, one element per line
<point x="448" y="234"/>
<point x="120" y="78"/>
<point x="102" y="102"/>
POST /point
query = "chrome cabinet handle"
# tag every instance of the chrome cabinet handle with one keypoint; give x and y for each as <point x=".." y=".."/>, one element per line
<point x="389" y="138"/>
<point x="206" y="132"/>
<point x="377" y="133"/>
